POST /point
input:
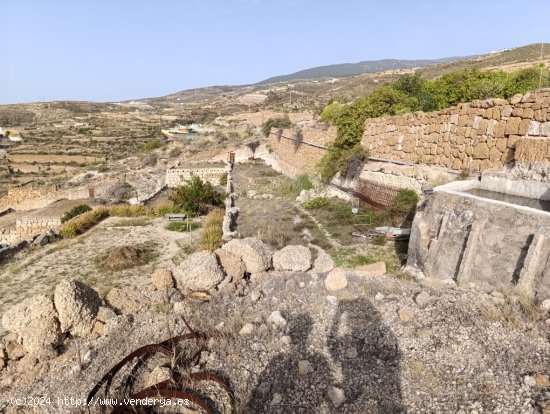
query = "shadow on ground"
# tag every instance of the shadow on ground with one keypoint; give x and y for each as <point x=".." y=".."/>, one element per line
<point x="363" y="361"/>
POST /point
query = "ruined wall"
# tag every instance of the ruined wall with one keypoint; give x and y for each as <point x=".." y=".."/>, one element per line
<point x="32" y="198"/>
<point x="26" y="228"/>
<point x="473" y="136"/>
<point x="299" y="152"/>
<point x="178" y="176"/>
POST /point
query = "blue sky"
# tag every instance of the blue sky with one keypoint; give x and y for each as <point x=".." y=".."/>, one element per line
<point x="109" y="50"/>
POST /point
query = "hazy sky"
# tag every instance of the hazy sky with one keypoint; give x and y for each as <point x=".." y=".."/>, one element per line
<point x="109" y="50"/>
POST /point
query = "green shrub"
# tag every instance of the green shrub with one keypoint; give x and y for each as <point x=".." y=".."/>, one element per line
<point x="316" y="202"/>
<point x="405" y="202"/>
<point x="412" y="93"/>
<point x="83" y="222"/>
<point x="75" y="211"/>
<point x="280" y="122"/>
<point x="291" y="187"/>
<point x="223" y="179"/>
<point x="166" y="208"/>
<point x="151" y="146"/>
<point x="196" y="197"/>
<point x="182" y="226"/>
<point x="212" y="233"/>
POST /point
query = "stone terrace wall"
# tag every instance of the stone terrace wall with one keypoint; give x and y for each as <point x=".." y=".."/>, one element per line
<point x="31" y="198"/>
<point x="474" y="136"/>
<point x="298" y="154"/>
<point x="26" y="228"/>
<point x="178" y="176"/>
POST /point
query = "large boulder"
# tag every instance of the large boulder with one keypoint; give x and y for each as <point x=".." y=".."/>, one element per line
<point x="200" y="271"/>
<point x="127" y="300"/>
<point x="255" y="254"/>
<point x="77" y="306"/>
<point x="35" y="322"/>
<point x="293" y="258"/>
<point x="231" y="264"/>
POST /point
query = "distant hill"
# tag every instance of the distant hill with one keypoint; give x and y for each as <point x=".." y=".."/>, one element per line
<point x="353" y="69"/>
<point x="510" y="59"/>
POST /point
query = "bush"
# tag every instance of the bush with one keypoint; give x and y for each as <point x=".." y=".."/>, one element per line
<point x="212" y="233"/>
<point x="151" y="146"/>
<point x="281" y="122"/>
<point x="75" y="211"/>
<point x="291" y="188"/>
<point x="223" y="179"/>
<point x="150" y="160"/>
<point x="196" y="197"/>
<point x="163" y="209"/>
<point x="128" y="210"/>
<point x="174" y="152"/>
<point x="83" y="222"/>
<point x="182" y="226"/>
<point x="317" y="202"/>
<point x="405" y="202"/>
<point x="125" y="257"/>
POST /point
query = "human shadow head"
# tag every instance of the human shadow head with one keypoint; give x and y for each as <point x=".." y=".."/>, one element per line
<point x="299" y="328"/>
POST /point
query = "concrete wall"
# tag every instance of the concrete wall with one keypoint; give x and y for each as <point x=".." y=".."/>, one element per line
<point x="480" y="242"/>
<point x="474" y="136"/>
<point x="178" y="176"/>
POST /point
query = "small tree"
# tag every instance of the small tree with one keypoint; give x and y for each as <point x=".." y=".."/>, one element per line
<point x="281" y="122"/>
<point x="196" y="197"/>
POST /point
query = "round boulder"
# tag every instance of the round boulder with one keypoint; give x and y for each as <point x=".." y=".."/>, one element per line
<point x="336" y="279"/>
<point x="200" y="271"/>
<point x="255" y="254"/>
<point x="77" y="306"/>
<point x="293" y="258"/>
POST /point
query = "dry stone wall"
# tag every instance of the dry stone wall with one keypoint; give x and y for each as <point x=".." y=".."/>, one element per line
<point x="32" y="198"/>
<point x="27" y="228"/>
<point x="474" y="136"/>
<point x="177" y="176"/>
<point x="298" y="151"/>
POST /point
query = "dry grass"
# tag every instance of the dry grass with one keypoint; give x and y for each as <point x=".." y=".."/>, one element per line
<point x="127" y="210"/>
<point x="84" y="222"/>
<point x="211" y="235"/>
<point x="517" y="306"/>
<point x="125" y="257"/>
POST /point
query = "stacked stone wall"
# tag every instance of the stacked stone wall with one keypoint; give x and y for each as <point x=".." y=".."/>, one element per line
<point x="26" y="228"/>
<point x="298" y="151"/>
<point x="178" y="176"/>
<point x="474" y="136"/>
<point x="32" y="198"/>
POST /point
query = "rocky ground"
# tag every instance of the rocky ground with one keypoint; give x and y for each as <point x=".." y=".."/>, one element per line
<point x="39" y="269"/>
<point x="305" y="338"/>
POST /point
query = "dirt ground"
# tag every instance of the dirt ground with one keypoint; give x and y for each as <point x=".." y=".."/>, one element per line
<point x="39" y="269"/>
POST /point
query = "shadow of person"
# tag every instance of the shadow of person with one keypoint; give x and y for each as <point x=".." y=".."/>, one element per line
<point x="368" y="356"/>
<point x="295" y="381"/>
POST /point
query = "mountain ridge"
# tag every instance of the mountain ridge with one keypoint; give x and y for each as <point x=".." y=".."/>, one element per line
<point x="340" y="70"/>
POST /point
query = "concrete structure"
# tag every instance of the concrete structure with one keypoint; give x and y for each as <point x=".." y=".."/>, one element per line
<point x="477" y="241"/>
